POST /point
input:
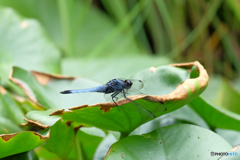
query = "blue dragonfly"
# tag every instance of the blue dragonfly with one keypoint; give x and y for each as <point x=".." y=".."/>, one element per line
<point x="116" y="89"/>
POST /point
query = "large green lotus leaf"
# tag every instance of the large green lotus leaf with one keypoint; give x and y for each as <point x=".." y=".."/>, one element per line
<point x="158" y="81"/>
<point x="11" y="144"/>
<point x="215" y="117"/>
<point x="11" y="115"/>
<point x="104" y="146"/>
<point x="9" y="107"/>
<point x="233" y="154"/>
<point x="233" y="137"/>
<point x="187" y="114"/>
<point x="168" y="83"/>
<point x="8" y="126"/>
<point x="61" y="139"/>
<point x="24" y="43"/>
<point x="182" y="141"/>
<point x="44" y="89"/>
<point x="30" y="155"/>
<point x="44" y="154"/>
<point x="103" y="69"/>
<point x="72" y="26"/>
<point x="182" y="115"/>
<point x="86" y="145"/>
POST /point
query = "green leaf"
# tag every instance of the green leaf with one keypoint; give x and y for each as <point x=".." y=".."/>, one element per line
<point x="30" y="155"/>
<point x="41" y="118"/>
<point x="8" y="126"/>
<point x="232" y="155"/>
<point x="104" y="69"/>
<point x="230" y="100"/>
<point x="24" y="43"/>
<point x="180" y="139"/>
<point x="104" y="146"/>
<point x="88" y="143"/>
<point x="204" y="108"/>
<point x="45" y="154"/>
<point x="10" y="108"/>
<point x="170" y="82"/>
<point x="44" y="89"/>
<point x="20" y="142"/>
<point x="11" y="115"/>
<point x="187" y="114"/>
<point x="233" y="137"/>
<point x="61" y="139"/>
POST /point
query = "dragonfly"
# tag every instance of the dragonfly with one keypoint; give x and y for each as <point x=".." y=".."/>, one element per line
<point x="116" y="89"/>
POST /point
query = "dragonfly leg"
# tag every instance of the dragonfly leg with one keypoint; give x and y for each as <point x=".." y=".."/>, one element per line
<point x="114" y="96"/>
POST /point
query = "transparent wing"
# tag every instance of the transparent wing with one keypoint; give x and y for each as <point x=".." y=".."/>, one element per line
<point x="161" y="107"/>
<point x="142" y="110"/>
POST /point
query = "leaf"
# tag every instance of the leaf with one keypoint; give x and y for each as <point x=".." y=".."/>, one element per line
<point x="233" y="137"/>
<point x="167" y="83"/>
<point x="10" y="108"/>
<point x="233" y="154"/>
<point x="104" y="146"/>
<point x="230" y="100"/>
<point x="211" y="113"/>
<point x="20" y="142"/>
<point x="30" y="155"/>
<point x="61" y="139"/>
<point x="45" y="154"/>
<point x="40" y="118"/>
<point x="88" y="143"/>
<point x="11" y="115"/>
<point x="180" y="139"/>
<point x="44" y="89"/>
<point x="103" y="69"/>
<point x="187" y="114"/>
<point x="24" y="43"/>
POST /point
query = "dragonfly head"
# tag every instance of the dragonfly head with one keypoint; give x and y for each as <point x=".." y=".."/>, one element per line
<point x="127" y="84"/>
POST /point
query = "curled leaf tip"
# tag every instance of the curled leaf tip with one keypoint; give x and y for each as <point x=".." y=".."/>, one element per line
<point x="41" y="136"/>
<point x="34" y="123"/>
<point x="44" y="78"/>
<point x="57" y="112"/>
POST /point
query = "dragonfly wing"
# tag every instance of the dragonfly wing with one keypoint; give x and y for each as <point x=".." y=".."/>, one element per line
<point x="161" y="107"/>
<point x="137" y="107"/>
<point x="133" y="91"/>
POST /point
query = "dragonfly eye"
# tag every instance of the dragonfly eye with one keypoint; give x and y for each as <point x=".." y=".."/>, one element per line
<point x="128" y="82"/>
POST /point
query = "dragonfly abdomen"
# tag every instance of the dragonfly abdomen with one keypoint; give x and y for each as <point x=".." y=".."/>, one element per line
<point x="101" y="88"/>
